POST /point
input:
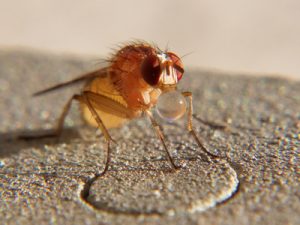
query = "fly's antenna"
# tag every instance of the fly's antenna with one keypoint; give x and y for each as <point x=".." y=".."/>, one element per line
<point x="187" y="54"/>
<point x="167" y="47"/>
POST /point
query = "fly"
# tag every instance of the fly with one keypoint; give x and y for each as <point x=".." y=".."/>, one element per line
<point x="138" y="77"/>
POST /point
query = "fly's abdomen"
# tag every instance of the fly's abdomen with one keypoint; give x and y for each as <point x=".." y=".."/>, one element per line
<point x="107" y="105"/>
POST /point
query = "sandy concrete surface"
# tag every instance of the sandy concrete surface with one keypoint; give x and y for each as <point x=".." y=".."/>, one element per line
<point x="252" y="124"/>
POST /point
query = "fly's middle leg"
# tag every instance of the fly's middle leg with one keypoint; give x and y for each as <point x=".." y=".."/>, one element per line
<point x="162" y="139"/>
<point x="85" y="99"/>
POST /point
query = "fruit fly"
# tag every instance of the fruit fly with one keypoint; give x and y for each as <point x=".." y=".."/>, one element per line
<point x="136" y="78"/>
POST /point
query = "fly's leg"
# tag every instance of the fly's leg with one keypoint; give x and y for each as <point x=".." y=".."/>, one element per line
<point x="190" y="127"/>
<point x="160" y="135"/>
<point x="61" y="120"/>
<point x="55" y="132"/>
<point x="93" y="101"/>
<point x="84" y="98"/>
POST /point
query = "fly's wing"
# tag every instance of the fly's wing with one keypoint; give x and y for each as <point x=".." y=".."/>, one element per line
<point x="83" y="78"/>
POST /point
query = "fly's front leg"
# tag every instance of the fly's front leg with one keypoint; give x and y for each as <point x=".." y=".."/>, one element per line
<point x="161" y="137"/>
<point x="190" y="127"/>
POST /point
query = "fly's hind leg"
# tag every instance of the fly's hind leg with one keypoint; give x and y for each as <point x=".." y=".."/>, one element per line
<point x="162" y="139"/>
<point x="190" y="127"/>
<point x="55" y="132"/>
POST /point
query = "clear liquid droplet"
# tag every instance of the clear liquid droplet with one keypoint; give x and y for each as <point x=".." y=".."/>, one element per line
<point x="171" y="105"/>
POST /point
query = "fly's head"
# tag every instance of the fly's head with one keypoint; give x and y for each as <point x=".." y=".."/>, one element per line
<point x="162" y="70"/>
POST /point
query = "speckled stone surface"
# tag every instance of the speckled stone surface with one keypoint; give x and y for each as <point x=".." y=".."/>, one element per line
<point x="251" y="123"/>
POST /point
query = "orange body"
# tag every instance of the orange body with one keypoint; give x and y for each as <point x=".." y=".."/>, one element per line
<point x="131" y="84"/>
<point x="124" y="84"/>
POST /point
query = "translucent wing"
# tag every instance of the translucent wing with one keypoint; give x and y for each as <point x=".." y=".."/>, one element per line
<point x="83" y="78"/>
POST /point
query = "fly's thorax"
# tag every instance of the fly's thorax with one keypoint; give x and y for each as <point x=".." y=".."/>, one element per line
<point x="140" y="72"/>
<point x="127" y="78"/>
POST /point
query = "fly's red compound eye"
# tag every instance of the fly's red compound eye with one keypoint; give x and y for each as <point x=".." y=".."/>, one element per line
<point x="151" y="70"/>
<point x="177" y="64"/>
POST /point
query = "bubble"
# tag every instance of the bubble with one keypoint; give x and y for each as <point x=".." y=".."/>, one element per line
<point x="171" y="105"/>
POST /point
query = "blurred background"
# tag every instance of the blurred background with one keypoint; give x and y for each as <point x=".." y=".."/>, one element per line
<point x="260" y="37"/>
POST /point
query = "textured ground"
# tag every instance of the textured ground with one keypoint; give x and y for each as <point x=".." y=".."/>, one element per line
<point x="251" y="123"/>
